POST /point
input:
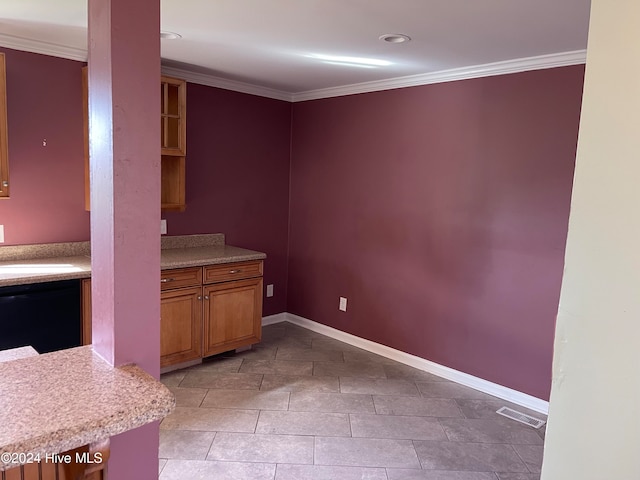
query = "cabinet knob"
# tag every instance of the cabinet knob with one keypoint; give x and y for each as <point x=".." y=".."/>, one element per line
<point x="166" y="280"/>
<point x="235" y="271"/>
<point x="206" y="297"/>
<point x="199" y="297"/>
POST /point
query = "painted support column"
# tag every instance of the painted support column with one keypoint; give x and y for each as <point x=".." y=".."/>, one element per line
<point x="124" y="108"/>
<point x="594" y="413"/>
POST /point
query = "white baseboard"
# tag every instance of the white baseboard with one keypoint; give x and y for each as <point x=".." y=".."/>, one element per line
<point x="500" y="391"/>
<point x="271" y="319"/>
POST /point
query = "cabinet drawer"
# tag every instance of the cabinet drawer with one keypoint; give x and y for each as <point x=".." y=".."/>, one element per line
<point x="232" y="271"/>
<point x="180" y="277"/>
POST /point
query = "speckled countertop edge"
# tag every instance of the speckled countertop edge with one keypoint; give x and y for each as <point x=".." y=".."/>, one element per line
<point x="62" y="400"/>
<point x="199" y="256"/>
<point x="180" y="251"/>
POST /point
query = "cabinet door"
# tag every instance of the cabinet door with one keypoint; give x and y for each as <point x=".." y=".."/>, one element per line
<point x="232" y="315"/>
<point x="173" y="104"/>
<point x="180" y="325"/>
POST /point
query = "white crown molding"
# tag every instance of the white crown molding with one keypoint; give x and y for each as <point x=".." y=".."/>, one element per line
<point x="486" y="70"/>
<point x="219" y="82"/>
<point x="500" y="391"/>
<point x="44" y="48"/>
<point x="476" y="71"/>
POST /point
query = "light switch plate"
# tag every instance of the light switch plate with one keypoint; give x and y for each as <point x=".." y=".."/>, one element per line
<point x="270" y="290"/>
<point x="1" y="233"/>
<point x="163" y="227"/>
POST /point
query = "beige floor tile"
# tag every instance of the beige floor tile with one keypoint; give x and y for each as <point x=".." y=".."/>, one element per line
<point x="173" y="379"/>
<point x="300" y="383"/>
<point x="478" y="457"/>
<point x="418" y="406"/>
<point x="301" y="405"/>
<point x="208" y="470"/>
<point x="277" y="367"/>
<point x="378" y="386"/>
<point x="188" y="397"/>
<point x="230" y="381"/>
<point x="401" y="427"/>
<point x="184" y="444"/>
<point x="321" y="472"/>
<point x="331" y="402"/>
<point x="161" y="463"/>
<point x="262" y="448"/>
<point x="304" y="423"/>
<point x="308" y="354"/>
<point x="211" y="420"/>
<point x="518" y="476"/>
<point x="348" y="369"/>
<point x="365" y="452"/>
<point x="405" y="474"/>
<point x="246" y="399"/>
<point x="531" y="455"/>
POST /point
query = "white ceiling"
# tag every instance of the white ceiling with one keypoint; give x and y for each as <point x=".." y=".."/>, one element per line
<point x="276" y="43"/>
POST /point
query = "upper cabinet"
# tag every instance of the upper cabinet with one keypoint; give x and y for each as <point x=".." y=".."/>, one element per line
<point x="4" y="151"/>
<point x="173" y="138"/>
<point x="173" y="114"/>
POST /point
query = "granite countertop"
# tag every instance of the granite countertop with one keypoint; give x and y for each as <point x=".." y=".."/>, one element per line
<point x="16" y="353"/>
<point x="37" y="270"/>
<point x="62" y="400"/>
<point x="198" y="256"/>
<point x="53" y="262"/>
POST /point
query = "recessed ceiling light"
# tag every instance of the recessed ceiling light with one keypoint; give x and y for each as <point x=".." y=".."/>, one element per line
<point x="170" y="35"/>
<point x="395" y="38"/>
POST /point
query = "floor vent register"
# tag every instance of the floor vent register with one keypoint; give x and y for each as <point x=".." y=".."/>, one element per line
<point x="521" y="417"/>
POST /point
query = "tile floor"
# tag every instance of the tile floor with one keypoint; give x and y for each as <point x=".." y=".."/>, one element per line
<point x="303" y="406"/>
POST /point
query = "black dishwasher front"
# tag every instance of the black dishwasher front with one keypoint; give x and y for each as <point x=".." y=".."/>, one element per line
<point x="46" y="316"/>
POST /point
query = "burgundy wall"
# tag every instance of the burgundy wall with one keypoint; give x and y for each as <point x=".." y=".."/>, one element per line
<point x="441" y="213"/>
<point x="238" y="149"/>
<point x="44" y="101"/>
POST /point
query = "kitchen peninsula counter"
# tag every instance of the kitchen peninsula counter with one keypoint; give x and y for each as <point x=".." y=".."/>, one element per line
<point x="59" y="401"/>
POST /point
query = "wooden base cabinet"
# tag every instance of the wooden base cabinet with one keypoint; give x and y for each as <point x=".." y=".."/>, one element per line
<point x="203" y="310"/>
<point x="180" y="325"/>
<point x="232" y="315"/>
<point x="221" y="310"/>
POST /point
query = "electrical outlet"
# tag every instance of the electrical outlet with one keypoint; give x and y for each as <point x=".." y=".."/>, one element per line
<point x="343" y="304"/>
<point x="270" y="290"/>
<point x="1" y="233"/>
<point x="163" y="227"/>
